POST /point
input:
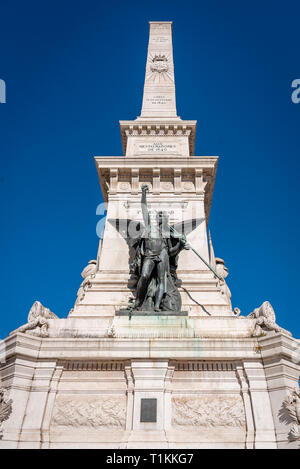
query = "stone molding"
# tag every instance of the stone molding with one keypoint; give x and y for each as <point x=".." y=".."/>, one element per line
<point x="166" y="129"/>
<point x="94" y="366"/>
<point x="205" y="366"/>
<point x="199" y="173"/>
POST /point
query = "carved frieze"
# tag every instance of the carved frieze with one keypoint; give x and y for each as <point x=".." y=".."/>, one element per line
<point x="89" y="412"/>
<point x="124" y="186"/>
<point x="166" y="186"/>
<point x="208" y="411"/>
<point x="188" y="186"/>
<point x="158" y="130"/>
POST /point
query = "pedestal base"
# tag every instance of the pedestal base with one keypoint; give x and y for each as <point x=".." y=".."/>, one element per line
<point x="128" y="312"/>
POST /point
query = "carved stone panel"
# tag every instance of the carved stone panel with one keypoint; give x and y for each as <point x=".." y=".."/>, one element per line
<point x="89" y="411"/>
<point x="208" y="411"/>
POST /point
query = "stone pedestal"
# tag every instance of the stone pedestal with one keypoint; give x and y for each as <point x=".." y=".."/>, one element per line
<point x="210" y="392"/>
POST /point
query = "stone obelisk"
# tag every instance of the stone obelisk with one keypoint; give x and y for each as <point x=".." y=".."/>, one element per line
<point x="159" y="90"/>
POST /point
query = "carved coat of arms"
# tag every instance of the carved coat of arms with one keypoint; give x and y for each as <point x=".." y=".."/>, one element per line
<point x="159" y="64"/>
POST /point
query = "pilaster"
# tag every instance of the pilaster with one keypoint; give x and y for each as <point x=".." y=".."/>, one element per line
<point x="261" y="406"/>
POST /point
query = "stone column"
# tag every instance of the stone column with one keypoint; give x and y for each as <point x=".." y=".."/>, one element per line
<point x="177" y="181"/>
<point x="113" y="186"/>
<point x="134" y="181"/>
<point x="21" y="371"/>
<point x="130" y="396"/>
<point x="49" y="406"/>
<point x="150" y="382"/>
<point x="31" y="435"/>
<point x="156" y="181"/>
<point x="261" y="406"/>
<point x="247" y="404"/>
<point x="281" y="360"/>
<point x="168" y="400"/>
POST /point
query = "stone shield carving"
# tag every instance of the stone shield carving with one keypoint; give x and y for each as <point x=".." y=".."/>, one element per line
<point x="208" y="411"/>
<point x="89" y="411"/>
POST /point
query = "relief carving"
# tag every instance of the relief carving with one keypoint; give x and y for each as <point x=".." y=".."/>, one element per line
<point x="189" y="186"/>
<point x="208" y="411"/>
<point x="89" y="411"/>
<point x="124" y="186"/>
<point x="167" y="186"/>
<point x="87" y="274"/>
<point x="38" y="321"/>
<point x="290" y="413"/>
<point x="5" y="408"/>
<point x="159" y="70"/>
<point x="265" y="320"/>
<point x="159" y="63"/>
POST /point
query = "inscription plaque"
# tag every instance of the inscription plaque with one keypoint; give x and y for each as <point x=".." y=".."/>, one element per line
<point x="148" y="410"/>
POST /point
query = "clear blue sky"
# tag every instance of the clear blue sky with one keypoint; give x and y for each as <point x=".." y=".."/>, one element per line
<point x="73" y="69"/>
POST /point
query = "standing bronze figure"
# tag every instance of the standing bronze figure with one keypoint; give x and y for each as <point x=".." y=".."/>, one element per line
<point x="154" y="247"/>
<point x="156" y="262"/>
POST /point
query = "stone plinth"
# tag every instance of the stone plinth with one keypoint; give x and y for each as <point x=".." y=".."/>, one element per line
<point x="86" y="392"/>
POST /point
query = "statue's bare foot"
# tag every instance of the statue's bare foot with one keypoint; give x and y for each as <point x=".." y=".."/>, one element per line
<point x="156" y="308"/>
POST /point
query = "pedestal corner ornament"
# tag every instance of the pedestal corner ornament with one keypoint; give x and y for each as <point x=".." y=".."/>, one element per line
<point x="152" y="354"/>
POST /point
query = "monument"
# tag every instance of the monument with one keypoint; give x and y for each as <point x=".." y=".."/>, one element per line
<point x="153" y="355"/>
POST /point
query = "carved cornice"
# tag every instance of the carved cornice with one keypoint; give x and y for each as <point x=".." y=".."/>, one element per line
<point x="190" y="365"/>
<point x="191" y="176"/>
<point x="94" y="365"/>
<point x="165" y="129"/>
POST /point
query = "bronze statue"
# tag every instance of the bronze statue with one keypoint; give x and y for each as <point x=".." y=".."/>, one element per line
<point x="154" y="247"/>
<point x="156" y="261"/>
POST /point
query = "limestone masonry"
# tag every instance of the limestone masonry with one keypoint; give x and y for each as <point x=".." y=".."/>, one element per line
<point x="111" y="377"/>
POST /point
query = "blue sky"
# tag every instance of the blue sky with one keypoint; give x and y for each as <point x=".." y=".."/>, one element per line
<point x="73" y="69"/>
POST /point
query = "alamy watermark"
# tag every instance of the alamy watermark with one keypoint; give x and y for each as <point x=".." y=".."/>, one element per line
<point x="2" y="91"/>
<point x="126" y="219"/>
<point x="296" y="93"/>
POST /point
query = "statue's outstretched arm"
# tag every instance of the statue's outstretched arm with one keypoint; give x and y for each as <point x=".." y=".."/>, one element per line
<point x="145" y="210"/>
